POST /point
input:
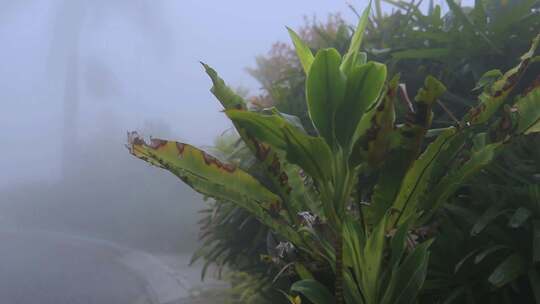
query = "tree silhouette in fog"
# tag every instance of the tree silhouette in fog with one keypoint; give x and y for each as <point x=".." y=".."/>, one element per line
<point x="69" y="21"/>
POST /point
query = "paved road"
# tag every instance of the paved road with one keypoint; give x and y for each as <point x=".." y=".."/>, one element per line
<point x="52" y="268"/>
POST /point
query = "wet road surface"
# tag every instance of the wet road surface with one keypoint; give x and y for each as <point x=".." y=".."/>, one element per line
<point x="53" y="268"/>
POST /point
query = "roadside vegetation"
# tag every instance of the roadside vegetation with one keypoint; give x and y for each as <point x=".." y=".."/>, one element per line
<point x="396" y="161"/>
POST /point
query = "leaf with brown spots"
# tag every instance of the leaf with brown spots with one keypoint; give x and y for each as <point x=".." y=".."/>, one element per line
<point x="493" y="98"/>
<point x="212" y="177"/>
<point x="265" y="154"/>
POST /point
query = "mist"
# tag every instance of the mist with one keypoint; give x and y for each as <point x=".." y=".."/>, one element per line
<point x="75" y="76"/>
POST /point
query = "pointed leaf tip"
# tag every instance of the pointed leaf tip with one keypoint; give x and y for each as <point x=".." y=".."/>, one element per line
<point x="302" y="50"/>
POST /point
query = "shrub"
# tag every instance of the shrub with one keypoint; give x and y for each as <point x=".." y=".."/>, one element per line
<point x="361" y="248"/>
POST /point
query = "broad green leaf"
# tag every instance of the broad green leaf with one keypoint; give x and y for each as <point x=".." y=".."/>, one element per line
<point x="417" y="180"/>
<point x="406" y="282"/>
<point x="302" y="51"/>
<point x="509" y="270"/>
<point x="325" y="89"/>
<point x="209" y="176"/>
<point x="351" y="293"/>
<point x="491" y="100"/>
<point x="268" y="157"/>
<point x="194" y="165"/>
<point x="388" y="183"/>
<point x="266" y="128"/>
<point x="451" y="182"/>
<point x="350" y="60"/>
<point x="310" y="153"/>
<point x="364" y="84"/>
<point x="353" y="245"/>
<point x="528" y="109"/>
<point x="371" y="262"/>
<point x="314" y="291"/>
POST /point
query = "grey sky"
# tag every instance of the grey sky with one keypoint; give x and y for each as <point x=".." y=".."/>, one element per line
<point x="142" y="78"/>
<point x="139" y="68"/>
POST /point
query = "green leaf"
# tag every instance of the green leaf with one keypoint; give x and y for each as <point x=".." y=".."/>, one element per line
<point x="266" y="128"/>
<point x="417" y="180"/>
<point x="389" y="182"/>
<point x="212" y="177"/>
<point x="491" y="100"/>
<point x="228" y="98"/>
<point x="302" y="271"/>
<point x="488" y="79"/>
<point x="493" y="212"/>
<point x="528" y="109"/>
<point x="371" y="262"/>
<point x="310" y="153"/>
<point x="509" y="270"/>
<point x="463" y="260"/>
<point x="451" y="182"/>
<point x="351" y="58"/>
<point x="351" y="293"/>
<point x="302" y="51"/>
<point x="313" y="291"/>
<point x="407" y="281"/>
<point x="268" y="157"/>
<point x="483" y="254"/>
<point x="325" y="89"/>
<point x="364" y="84"/>
<point x="519" y="217"/>
<point x="398" y="243"/>
<point x="200" y="170"/>
<point x="432" y="90"/>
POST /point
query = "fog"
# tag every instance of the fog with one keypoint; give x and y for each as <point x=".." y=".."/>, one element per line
<point x="75" y="76"/>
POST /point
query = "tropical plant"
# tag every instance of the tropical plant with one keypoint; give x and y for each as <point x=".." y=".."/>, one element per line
<point x="486" y="246"/>
<point x="330" y="237"/>
<point x="457" y="47"/>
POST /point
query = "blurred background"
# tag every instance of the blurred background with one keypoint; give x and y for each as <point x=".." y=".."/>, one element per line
<point x="76" y="75"/>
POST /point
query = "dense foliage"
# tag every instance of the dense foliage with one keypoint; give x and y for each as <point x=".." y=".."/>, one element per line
<point x="353" y="204"/>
